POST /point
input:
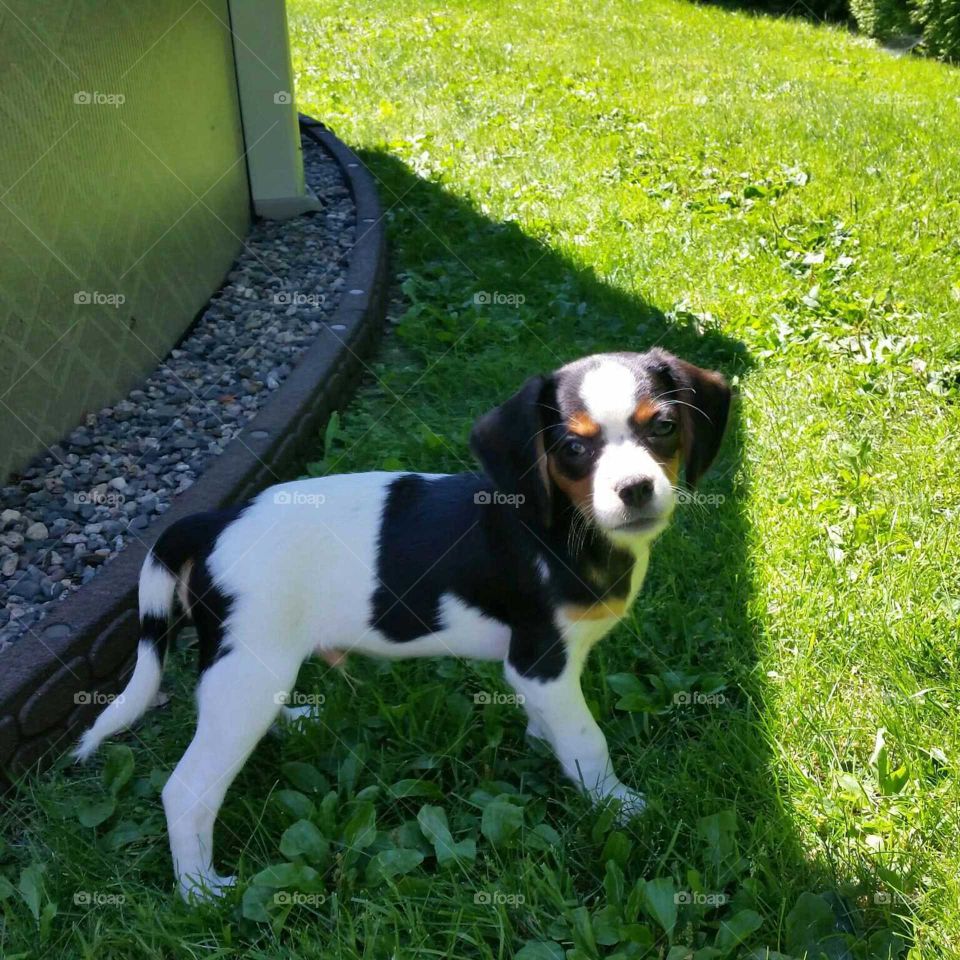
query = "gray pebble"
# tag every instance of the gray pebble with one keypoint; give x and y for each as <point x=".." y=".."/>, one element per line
<point x="25" y="588"/>
<point x="37" y="531"/>
<point x="59" y="526"/>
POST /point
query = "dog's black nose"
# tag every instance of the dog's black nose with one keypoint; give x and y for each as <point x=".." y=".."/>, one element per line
<point x="636" y="492"/>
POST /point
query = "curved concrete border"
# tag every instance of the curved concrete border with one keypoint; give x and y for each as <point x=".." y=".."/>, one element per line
<point x="83" y="649"/>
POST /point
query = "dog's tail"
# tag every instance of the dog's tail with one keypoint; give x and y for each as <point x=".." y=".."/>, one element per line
<point x="157" y="589"/>
<point x="164" y="578"/>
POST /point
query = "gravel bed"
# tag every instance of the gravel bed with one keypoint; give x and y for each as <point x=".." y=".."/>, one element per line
<point x="73" y="508"/>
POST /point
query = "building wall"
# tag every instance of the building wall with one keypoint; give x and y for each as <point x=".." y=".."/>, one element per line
<point x="123" y="199"/>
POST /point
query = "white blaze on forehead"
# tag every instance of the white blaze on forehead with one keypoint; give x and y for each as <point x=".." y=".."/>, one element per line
<point x="609" y="392"/>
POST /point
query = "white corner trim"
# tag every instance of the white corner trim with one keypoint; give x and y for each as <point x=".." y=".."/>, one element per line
<point x="271" y="131"/>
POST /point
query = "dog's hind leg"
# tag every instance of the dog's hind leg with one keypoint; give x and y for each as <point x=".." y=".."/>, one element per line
<point x="238" y="698"/>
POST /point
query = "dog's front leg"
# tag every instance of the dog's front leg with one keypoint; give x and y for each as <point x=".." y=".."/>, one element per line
<point x="559" y="714"/>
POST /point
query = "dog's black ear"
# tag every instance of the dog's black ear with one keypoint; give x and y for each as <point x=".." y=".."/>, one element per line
<point x="508" y="441"/>
<point x="704" y="401"/>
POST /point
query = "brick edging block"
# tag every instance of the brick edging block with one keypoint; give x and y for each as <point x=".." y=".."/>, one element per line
<point x="86" y="642"/>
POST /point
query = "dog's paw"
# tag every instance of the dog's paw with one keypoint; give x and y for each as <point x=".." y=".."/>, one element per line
<point x="291" y="716"/>
<point x="294" y="714"/>
<point x="207" y="889"/>
<point x="629" y="803"/>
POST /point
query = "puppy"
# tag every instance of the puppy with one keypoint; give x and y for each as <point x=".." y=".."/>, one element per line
<point x="530" y="562"/>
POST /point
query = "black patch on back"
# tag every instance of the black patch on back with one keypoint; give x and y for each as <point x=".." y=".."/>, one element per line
<point x="193" y="539"/>
<point x="432" y="541"/>
<point x="193" y="536"/>
<point x="445" y="535"/>
<point x="406" y="603"/>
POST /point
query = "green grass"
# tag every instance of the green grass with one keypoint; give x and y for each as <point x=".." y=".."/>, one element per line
<point x="772" y="198"/>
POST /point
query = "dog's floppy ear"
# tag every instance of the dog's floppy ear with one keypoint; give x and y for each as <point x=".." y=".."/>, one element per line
<point x="508" y="442"/>
<point x="704" y="400"/>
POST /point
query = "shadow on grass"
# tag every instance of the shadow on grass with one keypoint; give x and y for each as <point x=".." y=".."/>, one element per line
<point x="539" y="310"/>
<point x="833" y="12"/>
<point x="485" y="306"/>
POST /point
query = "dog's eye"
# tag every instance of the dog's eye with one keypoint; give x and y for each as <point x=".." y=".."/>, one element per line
<point x="663" y="428"/>
<point x="575" y="448"/>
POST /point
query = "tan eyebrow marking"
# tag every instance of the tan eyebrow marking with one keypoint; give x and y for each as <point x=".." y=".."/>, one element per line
<point x="582" y="424"/>
<point x="646" y="410"/>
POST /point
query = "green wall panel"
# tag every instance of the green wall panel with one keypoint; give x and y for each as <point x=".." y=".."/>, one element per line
<point x="123" y="198"/>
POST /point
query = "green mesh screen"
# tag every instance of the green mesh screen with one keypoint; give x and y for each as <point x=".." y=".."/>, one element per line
<point x="123" y="198"/>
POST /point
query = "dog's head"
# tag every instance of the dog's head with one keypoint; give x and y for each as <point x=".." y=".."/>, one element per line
<point x="607" y="435"/>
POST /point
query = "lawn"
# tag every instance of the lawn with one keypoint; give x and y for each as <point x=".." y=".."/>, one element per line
<point x="771" y="197"/>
